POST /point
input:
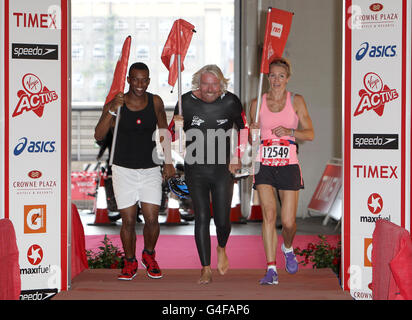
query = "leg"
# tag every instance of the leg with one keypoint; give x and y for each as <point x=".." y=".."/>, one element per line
<point x="288" y="215"/>
<point x="199" y="192"/>
<point x="267" y="200"/>
<point x="128" y="232"/>
<point x="222" y="192"/>
<point x="151" y="227"/>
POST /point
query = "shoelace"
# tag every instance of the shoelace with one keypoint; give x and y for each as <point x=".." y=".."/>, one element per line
<point x="128" y="267"/>
<point x="152" y="264"/>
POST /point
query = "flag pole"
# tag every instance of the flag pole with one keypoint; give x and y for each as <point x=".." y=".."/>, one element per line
<point x="179" y="84"/>
<point x="116" y="126"/>
<point x="264" y="54"/>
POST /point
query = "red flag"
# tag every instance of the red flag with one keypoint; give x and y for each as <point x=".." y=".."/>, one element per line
<point x="278" y="25"/>
<point x="177" y="43"/>
<point x="120" y="72"/>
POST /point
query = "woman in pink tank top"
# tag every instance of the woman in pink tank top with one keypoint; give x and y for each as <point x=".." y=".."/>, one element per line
<point x="283" y="117"/>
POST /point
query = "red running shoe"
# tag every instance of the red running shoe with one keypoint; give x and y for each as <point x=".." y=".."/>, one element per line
<point x="129" y="270"/>
<point x="152" y="268"/>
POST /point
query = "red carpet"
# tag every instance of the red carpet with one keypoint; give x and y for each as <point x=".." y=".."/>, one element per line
<point x="179" y="252"/>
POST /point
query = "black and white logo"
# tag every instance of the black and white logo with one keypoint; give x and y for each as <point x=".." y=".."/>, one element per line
<point x="35" y="51"/>
<point x="375" y="141"/>
<point x="38" y="294"/>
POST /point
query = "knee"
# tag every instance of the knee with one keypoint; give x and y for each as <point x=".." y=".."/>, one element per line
<point x="128" y="223"/>
<point x="151" y="221"/>
<point x="288" y="224"/>
<point x="269" y="215"/>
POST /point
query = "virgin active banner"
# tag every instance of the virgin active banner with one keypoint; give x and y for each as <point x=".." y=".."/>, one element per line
<point x="35" y="158"/>
<point x="376" y="129"/>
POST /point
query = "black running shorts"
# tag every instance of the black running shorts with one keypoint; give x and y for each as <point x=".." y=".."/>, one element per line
<point x="281" y="177"/>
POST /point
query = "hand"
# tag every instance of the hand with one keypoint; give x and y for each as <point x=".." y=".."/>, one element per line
<point x="168" y="171"/>
<point x="178" y="120"/>
<point x="254" y="125"/>
<point x="281" y="131"/>
<point x="117" y="102"/>
<point x="235" y="165"/>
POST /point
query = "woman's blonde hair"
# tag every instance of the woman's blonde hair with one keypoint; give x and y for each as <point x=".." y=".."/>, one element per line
<point x="213" y="69"/>
<point x="282" y="62"/>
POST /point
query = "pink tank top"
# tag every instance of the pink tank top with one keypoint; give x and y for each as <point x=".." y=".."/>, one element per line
<point x="287" y="118"/>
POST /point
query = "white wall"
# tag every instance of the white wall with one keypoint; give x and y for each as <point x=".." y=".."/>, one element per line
<point x="314" y="49"/>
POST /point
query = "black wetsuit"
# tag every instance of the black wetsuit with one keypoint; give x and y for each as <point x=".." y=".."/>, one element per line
<point x="206" y="169"/>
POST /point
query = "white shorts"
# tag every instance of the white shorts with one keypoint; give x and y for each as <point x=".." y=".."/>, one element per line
<point x="132" y="185"/>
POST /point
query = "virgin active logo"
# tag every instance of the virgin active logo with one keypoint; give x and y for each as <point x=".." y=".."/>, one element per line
<point x="34" y="146"/>
<point x="380" y="51"/>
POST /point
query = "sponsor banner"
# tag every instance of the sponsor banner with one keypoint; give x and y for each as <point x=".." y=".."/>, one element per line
<point x="327" y="189"/>
<point x="36" y="131"/>
<point x="374" y="130"/>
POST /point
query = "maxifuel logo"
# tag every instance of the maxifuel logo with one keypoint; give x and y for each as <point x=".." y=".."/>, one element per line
<point x="375" y="96"/>
<point x="34" y="96"/>
<point x="34" y="51"/>
<point x="375" y="207"/>
<point x="376" y="141"/>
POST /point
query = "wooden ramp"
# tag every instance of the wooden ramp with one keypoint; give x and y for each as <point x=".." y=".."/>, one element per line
<point x="237" y="284"/>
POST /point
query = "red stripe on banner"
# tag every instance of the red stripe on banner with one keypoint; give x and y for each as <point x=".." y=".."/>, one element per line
<point x="347" y="146"/>
<point x="6" y="110"/>
<point x="403" y="107"/>
<point x="64" y="154"/>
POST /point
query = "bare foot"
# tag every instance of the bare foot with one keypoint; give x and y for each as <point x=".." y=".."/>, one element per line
<point x="222" y="260"/>
<point x="205" y="275"/>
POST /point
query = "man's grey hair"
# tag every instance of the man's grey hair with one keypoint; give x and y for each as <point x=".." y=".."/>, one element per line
<point x="213" y="69"/>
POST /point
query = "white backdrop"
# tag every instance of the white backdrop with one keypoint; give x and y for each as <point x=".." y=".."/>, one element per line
<point x="35" y="147"/>
<point x="376" y="130"/>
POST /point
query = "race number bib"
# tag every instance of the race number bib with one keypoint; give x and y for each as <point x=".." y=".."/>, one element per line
<point x="275" y="152"/>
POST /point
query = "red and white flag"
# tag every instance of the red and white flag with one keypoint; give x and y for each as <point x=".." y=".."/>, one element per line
<point x="120" y="72"/>
<point x="278" y="25"/>
<point x="177" y="42"/>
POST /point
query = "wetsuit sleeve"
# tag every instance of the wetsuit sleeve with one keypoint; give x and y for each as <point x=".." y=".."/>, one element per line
<point x="241" y="123"/>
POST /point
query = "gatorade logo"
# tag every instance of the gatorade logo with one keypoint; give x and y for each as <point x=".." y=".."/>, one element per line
<point x="368" y="252"/>
<point x="35" y="219"/>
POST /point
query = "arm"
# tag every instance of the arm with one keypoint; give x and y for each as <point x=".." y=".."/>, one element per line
<point x="107" y="120"/>
<point x="306" y="131"/>
<point x="164" y="136"/>
<point x="253" y="125"/>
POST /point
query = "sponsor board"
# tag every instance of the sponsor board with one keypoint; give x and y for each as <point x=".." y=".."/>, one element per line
<point x="36" y="140"/>
<point x="374" y="130"/>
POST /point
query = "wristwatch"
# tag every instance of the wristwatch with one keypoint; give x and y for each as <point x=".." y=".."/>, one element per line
<point x="293" y="133"/>
<point x="114" y="114"/>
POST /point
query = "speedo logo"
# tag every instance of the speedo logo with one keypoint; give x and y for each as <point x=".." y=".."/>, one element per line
<point x="33" y="146"/>
<point x="34" y="51"/>
<point x="380" y="51"/>
<point x="375" y="141"/>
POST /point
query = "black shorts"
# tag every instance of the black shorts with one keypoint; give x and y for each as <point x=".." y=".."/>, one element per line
<point x="281" y="177"/>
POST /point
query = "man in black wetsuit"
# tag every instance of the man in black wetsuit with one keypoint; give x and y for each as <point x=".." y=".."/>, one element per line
<point x="136" y="174"/>
<point x="209" y="112"/>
